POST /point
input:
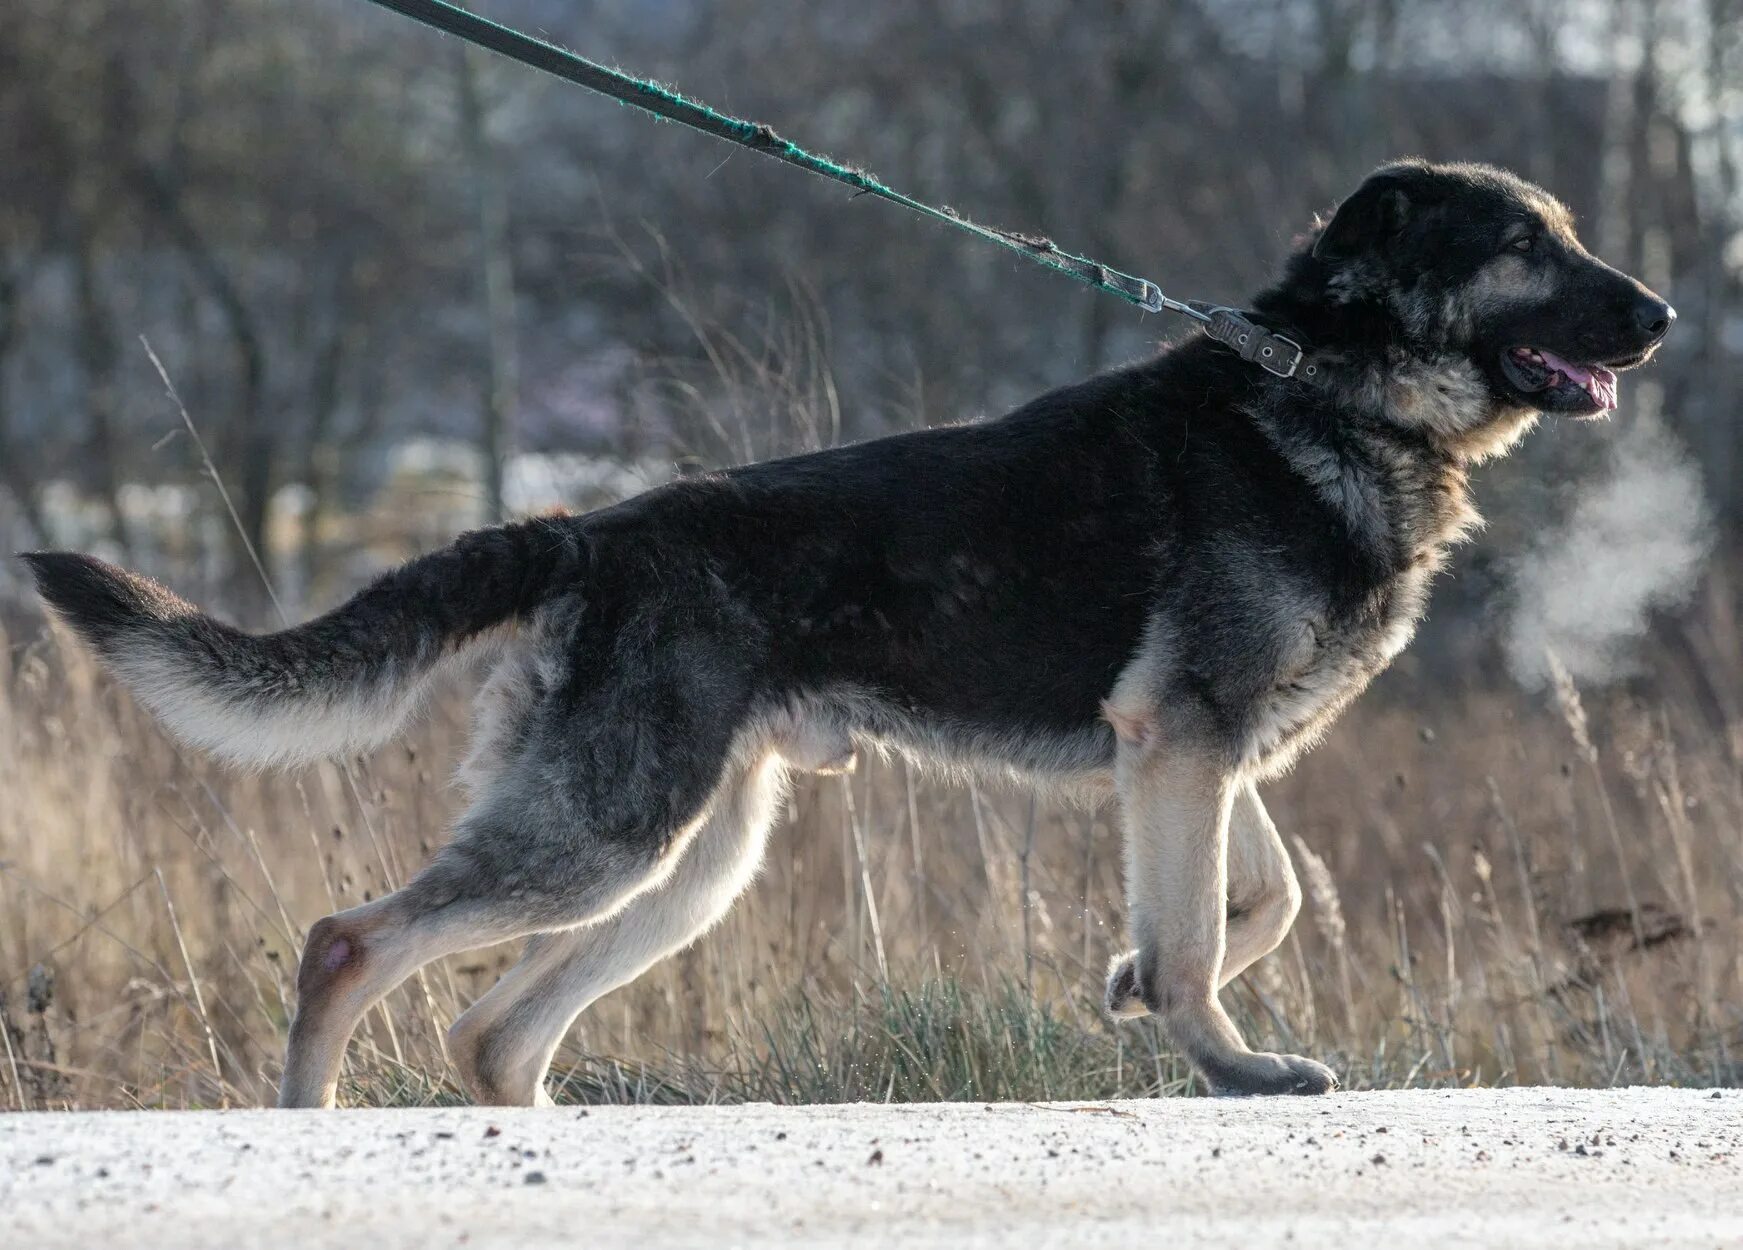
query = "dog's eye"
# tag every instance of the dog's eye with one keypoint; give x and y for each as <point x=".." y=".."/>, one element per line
<point x="1524" y="243"/>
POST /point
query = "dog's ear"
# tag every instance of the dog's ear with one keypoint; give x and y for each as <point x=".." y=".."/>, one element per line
<point x="1375" y="213"/>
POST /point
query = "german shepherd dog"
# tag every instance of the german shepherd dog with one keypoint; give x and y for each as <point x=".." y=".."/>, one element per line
<point x="1158" y="585"/>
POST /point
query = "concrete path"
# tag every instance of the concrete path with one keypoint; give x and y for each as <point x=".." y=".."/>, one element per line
<point x="1490" y="1169"/>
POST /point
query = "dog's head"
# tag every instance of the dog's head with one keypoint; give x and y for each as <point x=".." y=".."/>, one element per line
<point x="1470" y="261"/>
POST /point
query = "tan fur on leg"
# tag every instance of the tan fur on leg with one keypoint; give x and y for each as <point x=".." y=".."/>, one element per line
<point x="1263" y="900"/>
<point x="504" y="1042"/>
<point x="350" y="961"/>
<point x="1176" y="807"/>
<point x="1264" y="895"/>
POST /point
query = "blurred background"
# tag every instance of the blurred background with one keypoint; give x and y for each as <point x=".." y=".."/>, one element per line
<point x="400" y="291"/>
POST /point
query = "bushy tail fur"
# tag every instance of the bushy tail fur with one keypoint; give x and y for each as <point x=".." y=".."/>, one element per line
<point x="343" y="682"/>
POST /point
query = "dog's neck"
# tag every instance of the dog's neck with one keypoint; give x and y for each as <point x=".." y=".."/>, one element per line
<point x="1381" y="370"/>
<point x="1403" y="499"/>
<point x="1405" y="424"/>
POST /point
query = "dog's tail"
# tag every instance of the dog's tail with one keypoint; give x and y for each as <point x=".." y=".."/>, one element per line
<point x="343" y="682"/>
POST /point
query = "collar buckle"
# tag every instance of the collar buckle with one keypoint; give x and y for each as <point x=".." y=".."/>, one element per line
<point x="1274" y="353"/>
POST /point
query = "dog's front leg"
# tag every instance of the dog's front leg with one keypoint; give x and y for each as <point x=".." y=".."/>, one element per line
<point x="1175" y="800"/>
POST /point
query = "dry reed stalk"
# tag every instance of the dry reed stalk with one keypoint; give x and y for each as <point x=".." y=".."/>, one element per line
<point x="1024" y="901"/>
<point x="1573" y="714"/>
<point x="914" y="843"/>
<point x="986" y="857"/>
<point x="1087" y="880"/>
<point x="865" y="881"/>
<point x="1667" y="789"/>
<point x="194" y="985"/>
<point x="11" y="1058"/>
<point x="1328" y="916"/>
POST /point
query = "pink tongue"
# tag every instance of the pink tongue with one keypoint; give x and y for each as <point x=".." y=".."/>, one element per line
<point x="1600" y="384"/>
<point x="1574" y="372"/>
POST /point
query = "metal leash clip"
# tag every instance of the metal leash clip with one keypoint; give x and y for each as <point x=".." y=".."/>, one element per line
<point x="1272" y="352"/>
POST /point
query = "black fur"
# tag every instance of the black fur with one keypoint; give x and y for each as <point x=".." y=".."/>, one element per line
<point x="481" y="580"/>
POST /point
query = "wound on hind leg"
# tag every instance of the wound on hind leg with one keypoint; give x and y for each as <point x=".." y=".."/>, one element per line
<point x="333" y="952"/>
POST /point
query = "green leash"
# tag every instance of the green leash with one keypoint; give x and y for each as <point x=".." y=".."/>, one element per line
<point x="1254" y="343"/>
<point x="663" y="102"/>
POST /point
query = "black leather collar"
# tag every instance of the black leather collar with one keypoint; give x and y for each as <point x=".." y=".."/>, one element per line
<point x="1273" y="352"/>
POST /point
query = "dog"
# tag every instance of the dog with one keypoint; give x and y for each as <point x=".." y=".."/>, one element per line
<point x="1160" y="585"/>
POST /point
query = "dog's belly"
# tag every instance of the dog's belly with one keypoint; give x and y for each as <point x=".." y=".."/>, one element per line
<point x="1076" y="761"/>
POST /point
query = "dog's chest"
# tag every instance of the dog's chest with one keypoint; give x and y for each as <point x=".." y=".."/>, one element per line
<point x="1330" y="657"/>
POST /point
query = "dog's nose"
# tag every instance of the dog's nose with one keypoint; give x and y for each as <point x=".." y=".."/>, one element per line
<point x="1653" y="316"/>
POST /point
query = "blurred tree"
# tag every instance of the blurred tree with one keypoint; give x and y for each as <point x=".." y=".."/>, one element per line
<point x="338" y="242"/>
<point x="495" y="280"/>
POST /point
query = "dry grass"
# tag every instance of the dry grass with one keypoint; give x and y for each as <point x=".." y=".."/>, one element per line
<point x="1468" y="920"/>
<point x="1500" y="889"/>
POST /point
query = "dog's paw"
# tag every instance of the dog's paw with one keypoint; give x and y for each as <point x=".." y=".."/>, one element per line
<point x="1266" y="1074"/>
<point x="1122" y="1000"/>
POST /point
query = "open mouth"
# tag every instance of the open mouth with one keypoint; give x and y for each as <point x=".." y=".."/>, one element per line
<point x="1570" y="387"/>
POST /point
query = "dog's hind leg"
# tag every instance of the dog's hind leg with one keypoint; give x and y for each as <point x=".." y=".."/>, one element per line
<point x="507" y="874"/>
<point x="504" y="1042"/>
<point x="1176" y="802"/>
<point x="1263" y="899"/>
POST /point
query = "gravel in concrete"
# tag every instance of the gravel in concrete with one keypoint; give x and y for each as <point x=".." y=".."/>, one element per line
<point x="1491" y="1169"/>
